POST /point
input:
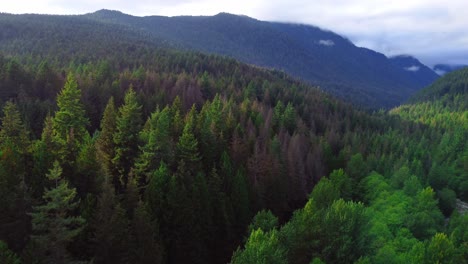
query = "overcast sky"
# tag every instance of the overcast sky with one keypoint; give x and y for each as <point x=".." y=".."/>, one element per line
<point x="434" y="31"/>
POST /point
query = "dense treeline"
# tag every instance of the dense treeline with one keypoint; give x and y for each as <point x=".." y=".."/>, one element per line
<point x="187" y="145"/>
<point x="135" y="159"/>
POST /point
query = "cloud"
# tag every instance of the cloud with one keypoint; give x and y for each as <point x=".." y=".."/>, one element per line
<point x="413" y="68"/>
<point x="326" y="42"/>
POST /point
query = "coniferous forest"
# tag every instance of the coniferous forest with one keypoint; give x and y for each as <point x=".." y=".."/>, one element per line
<point x="142" y="154"/>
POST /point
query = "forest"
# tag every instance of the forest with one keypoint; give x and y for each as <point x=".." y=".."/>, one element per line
<point x="155" y="155"/>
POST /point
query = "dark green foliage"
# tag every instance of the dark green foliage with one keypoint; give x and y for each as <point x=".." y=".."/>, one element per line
<point x="447" y="201"/>
<point x="7" y="256"/>
<point x="222" y="142"/>
<point x="53" y="223"/>
<point x="111" y="229"/>
<point x="146" y="245"/>
<point x="128" y="126"/>
<point x="105" y="142"/>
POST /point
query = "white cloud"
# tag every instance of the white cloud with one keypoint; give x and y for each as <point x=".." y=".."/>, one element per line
<point x="326" y="42"/>
<point x="413" y="68"/>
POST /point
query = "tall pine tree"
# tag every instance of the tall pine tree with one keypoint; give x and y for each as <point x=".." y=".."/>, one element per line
<point x="126" y="139"/>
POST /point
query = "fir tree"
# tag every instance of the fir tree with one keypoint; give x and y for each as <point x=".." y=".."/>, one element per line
<point x="105" y="142"/>
<point x="53" y="224"/>
<point x="126" y="138"/>
<point x="70" y="122"/>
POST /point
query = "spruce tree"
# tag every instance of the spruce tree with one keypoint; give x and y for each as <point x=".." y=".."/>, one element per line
<point x="105" y="142"/>
<point x="126" y="139"/>
<point x="53" y="223"/>
<point x="70" y="122"/>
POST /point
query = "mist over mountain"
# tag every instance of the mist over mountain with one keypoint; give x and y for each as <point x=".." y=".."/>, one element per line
<point x="312" y="54"/>
<point x="442" y="69"/>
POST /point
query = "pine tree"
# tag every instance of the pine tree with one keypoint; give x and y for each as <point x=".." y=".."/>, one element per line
<point x="13" y="130"/>
<point x="158" y="146"/>
<point x="53" y="225"/>
<point x="187" y="150"/>
<point x="105" y="142"/>
<point x="70" y="122"/>
<point x="126" y="138"/>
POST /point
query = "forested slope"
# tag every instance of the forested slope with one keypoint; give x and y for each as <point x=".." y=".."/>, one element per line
<point x="388" y="205"/>
<point x="135" y="154"/>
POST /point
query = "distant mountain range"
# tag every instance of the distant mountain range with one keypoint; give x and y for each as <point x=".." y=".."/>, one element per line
<point x="317" y="56"/>
<point x="442" y="69"/>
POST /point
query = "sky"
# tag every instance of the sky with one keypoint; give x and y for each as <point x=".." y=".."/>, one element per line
<point x="434" y="31"/>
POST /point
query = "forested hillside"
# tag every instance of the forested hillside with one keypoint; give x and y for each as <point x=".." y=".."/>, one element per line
<point x="317" y="56"/>
<point x="388" y="204"/>
<point x="113" y="151"/>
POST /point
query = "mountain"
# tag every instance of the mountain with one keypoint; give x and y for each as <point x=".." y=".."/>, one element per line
<point x="116" y="146"/>
<point x="318" y="56"/>
<point x="418" y="71"/>
<point x="442" y="69"/>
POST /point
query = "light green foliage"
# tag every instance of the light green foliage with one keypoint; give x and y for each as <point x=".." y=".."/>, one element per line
<point x="264" y="220"/>
<point x="440" y="250"/>
<point x="412" y="186"/>
<point x="343" y="238"/>
<point x="375" y="186"/>
<point x="324" y="193"/>
<point x="425" y="218"/>
<point x="70" y="122"/>
<point x="261" y="248"/>
<point x="342" y="183"/>
<point x="317" y="261"/>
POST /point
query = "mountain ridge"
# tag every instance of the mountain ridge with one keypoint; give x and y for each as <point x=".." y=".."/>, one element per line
<point x="318" y="56"/>
<point x="308" y="53"/>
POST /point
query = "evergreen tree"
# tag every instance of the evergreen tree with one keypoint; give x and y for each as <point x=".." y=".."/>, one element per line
<point x="158" y="146"/>
<point x="13" y="130"/>
<point x="187" y="150"/>
<point x="111" y="227"/>
<point x="14" y="171"/>
<point x="146" y="246"/>
<point x="105" y="142"/>
<point x="53" y="224"/>
<point x="126" y="138"/>
<point x="69" y="122"/>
